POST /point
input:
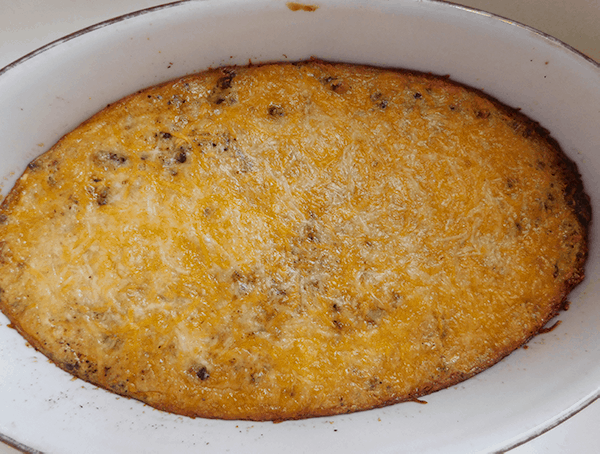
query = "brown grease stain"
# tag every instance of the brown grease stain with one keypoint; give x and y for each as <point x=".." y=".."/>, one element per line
<point x="301" y="7"/>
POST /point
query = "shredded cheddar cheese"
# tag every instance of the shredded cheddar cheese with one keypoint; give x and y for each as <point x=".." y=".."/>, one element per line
<point x="291" y="240"/>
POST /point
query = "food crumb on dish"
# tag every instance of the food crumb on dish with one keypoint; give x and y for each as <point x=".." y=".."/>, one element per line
<point x="301" y="7"/>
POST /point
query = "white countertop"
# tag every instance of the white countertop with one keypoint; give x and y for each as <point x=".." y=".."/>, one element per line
<point x="29" y="24"/>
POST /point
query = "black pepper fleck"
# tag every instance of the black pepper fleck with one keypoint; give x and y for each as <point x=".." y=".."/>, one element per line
<point x="276" y="111"/>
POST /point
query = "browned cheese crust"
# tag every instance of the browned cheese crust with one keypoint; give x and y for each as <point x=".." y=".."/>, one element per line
<point x="290" y="240"/>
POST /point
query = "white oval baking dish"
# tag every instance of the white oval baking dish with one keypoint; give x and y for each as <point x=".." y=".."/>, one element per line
<point x="47" y="93"/>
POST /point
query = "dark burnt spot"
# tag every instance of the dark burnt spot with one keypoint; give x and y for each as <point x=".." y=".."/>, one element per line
<point x="202" y="373"/>
<point x="116" y="158"/>
<point x="71" y="367"/>
<point x="338" y="86"/>
<point x="90" y="368"/>
<point x="511" y="182"/>
<point x="556" y="271"/>
<point x="443" y="368"/>
<point x="519" y="226"/>
<point x="165" y="135"/>
<point x="540" y="165"/>
<point x="335" y="307"/>
<point x="255" y="377"/>
<point x="374" y="382"/>
<point x="578" y="201"/>
<point x="102" y="196"/>
<point x="337" y="324"/>
<point x="109" y="159"/>
<point x="33" y="166"/>
<point x="379" y="100"/>
<point x="275" y="111"/>
<point x="417" y="95"/>
<point x="526" y="129"/>
<point x="181" y="157"/>
<point x="219" y="98"/>
<point x="453" y="108"/>
<point x="176" y="101"/>
<point x="3" y="218"/>
<point x="173" y="156"/>
<point x="483" y="114"/>
<point x="221" y="94"/>
<point x="225" y="82"/>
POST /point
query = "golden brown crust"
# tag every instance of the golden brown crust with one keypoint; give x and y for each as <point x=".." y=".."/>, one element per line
<point x="292" y="240"/>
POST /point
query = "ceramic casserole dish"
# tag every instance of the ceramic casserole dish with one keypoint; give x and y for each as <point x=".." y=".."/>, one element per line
<point x="52" y="90"/>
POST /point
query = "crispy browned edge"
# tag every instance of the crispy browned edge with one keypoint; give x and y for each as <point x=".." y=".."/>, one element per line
<point x="575" y="196"/>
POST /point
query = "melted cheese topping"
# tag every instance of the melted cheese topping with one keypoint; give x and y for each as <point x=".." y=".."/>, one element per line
<point x="289" y="240"/>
